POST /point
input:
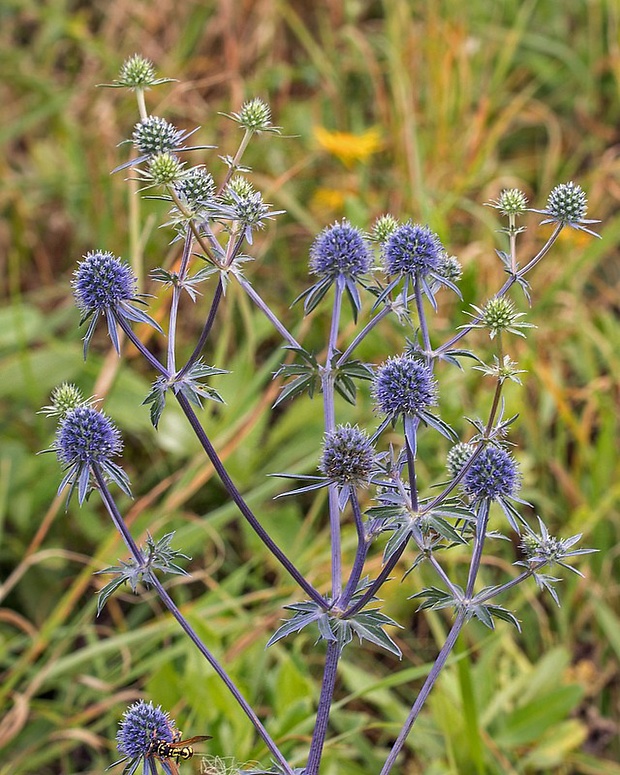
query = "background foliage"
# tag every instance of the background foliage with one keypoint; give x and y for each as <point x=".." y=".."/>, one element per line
<point x="425" y="109"/>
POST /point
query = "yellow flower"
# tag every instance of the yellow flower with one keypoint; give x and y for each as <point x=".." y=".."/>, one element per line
<point x="348" y="147"/>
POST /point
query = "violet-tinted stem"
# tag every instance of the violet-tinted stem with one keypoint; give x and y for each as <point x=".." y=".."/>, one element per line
<point x="280" y="328"/>
<point x="243" y="506"/>
<point x="174" y="304"/>
<point x="360" y="554"/>
<point x="378" y="582"/>
<point x="479" y="539"/>
<point x="424" y="692"/>
<point x="329" y="412"/>
<point x="325" y="701"/>
<point x="363" y="334"/>
<point x="141" y="347"/>
<point x="225" y="478"/>
<point x="138" y="558"/>
<point x="206" y="329"/>
<point x="419" y="303"/>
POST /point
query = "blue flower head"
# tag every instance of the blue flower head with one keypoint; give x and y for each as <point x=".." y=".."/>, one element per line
<point x="85" y="438"/>
<point x="102" y="281"/>
<point x="340" y="249"/>
<point x="412" y="249"/>
<point x="493" y="474"/>
<point x="404" y="386"/>
<point x="142" y="723"/>
<point x="105" y="285"/>
<point x="348" y="456"/>
<point x="87" y="435"/>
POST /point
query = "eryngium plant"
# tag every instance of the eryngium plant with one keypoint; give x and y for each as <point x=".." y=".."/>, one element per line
<point x="397" y="269"/>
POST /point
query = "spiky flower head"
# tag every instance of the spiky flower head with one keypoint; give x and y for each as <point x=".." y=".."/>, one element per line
<point x="63" y="399"/>
<point x="142" y="723"/>
<point x="384" y="226"/>
<point x="87" y="435"/>
<point x="450" y="268"/>
<point x="164" y="169"/>
<point x="493" y="474"/>
<point x="348" y="456"/>
<point x="196" y="188"/>
<point x="102" y="282"/>
<point x="238" y="188"/>
<point x="498" y="315"/>
<point x="404" y="386"/>
<point x="511" y="202"/>
<point x="136" y="72"/>
<point x="255" y="115"/>
<point x="154" y="135"/>
<point x="412" y="249"/>
<point x="567" y="205"/>
<point x="458" y="457"/>
<point x="340" y="249"/>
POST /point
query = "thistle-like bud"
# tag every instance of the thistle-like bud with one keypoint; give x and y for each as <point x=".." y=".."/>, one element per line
<point x="450" y="268"/>
<point x="155" y="135"/>
<point x="511" y="202"/>
<point x="136" y="72"/>
<point x="384" y="226"/>
<point x="340" y="249"/>
<point x="141" y="724"/>
<point x="165" y="169"/>
<point x="196" y="188"/>
<point x="403" y="386"/>
<point x="493" y="474"/>
<point x="348" y="456"/>
<point x="458" y="457"/>
<point x="64" y="398"/>
<point x="567" y="203"/>
<point x="238" y="188"/>
<point x="255" y="115"/>
<point x="412" y="249"/>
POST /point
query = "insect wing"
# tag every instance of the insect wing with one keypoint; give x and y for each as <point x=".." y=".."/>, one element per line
<point x="190" y="741"/>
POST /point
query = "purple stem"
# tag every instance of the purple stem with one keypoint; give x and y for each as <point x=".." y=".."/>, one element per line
<point x="243" y="506"/>
<point x="138" y="557"/>
<point x="360" y="556"/>
<point x="217" y="297"/>
<point x="424" y="692"/>
<point x="139" y="346"/>
<point x="327" y="384"/>
<point x="176" y="296"/>
<point x="267" y="312"/>
<point x="325" y="701"/>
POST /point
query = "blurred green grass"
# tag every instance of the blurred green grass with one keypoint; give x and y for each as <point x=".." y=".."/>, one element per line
<point x="466" y="100"/>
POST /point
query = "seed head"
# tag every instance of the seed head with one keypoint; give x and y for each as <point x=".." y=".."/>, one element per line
<point x="493" y="474"/>
<point x="102" y="281"/>
<point x="340" y="249"/>
<point x="450" y="268"/>
<point x="404" y="386"/>
<point x="412" y="249"/>
<point x="141" y="724"/>
<point x="86" y="435"/>
<point x="63" y="399"/>
<point x="348" y="456"/>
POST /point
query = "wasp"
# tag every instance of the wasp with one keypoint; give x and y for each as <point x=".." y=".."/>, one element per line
<point x="173" y="752"/>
